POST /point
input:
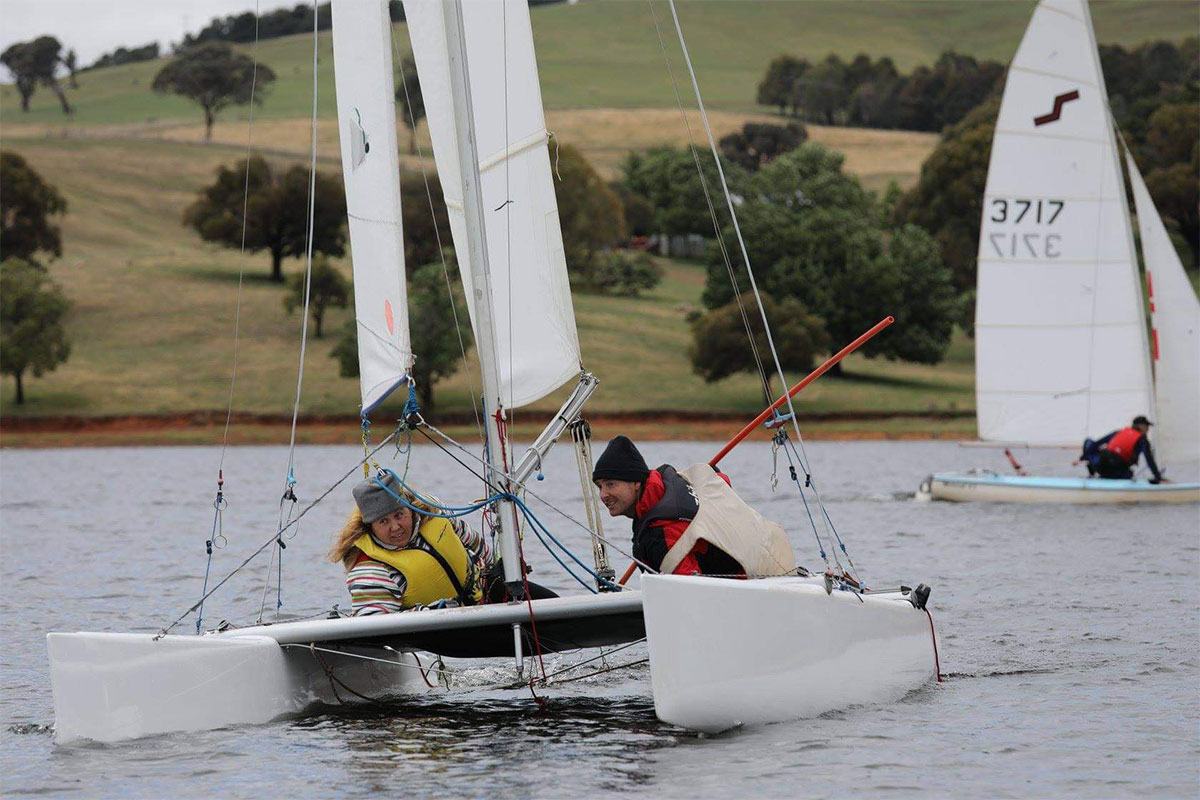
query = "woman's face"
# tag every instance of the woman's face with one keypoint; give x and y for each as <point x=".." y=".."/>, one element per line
<point x="396" y="529"/>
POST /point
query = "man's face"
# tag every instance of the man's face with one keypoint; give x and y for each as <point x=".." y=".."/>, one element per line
<point x="619" y="497"/>
<point x="1141" y="426"/>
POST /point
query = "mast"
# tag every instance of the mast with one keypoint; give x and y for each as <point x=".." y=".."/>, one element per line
<point x="485" y="329"/>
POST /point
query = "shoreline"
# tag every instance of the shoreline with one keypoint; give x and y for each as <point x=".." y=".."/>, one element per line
<point x="208" y="428"/>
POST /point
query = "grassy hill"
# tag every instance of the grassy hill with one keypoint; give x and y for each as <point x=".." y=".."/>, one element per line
<point x="154" y="307"/>
<point x="607" y="54"/>
<point x="152" y="326"/>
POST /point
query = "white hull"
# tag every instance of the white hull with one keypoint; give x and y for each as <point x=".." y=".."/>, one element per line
<point x="725" y="653"/>
<point x="114" y="686"/>
<point x="1033" y="489"/>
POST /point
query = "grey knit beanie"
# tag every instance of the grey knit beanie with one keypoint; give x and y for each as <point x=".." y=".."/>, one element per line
<point x="375" y="502"/>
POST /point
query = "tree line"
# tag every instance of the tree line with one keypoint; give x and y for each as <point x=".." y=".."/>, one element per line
<point x="870" y="93"/>
<point x="1154" y="94"/>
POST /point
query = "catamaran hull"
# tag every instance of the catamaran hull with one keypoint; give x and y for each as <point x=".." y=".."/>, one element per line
<point x="110" y="687"/>
<point x="727" y="653"/>
<point x="1032" y="489"/>
<point x="114" y="686"/>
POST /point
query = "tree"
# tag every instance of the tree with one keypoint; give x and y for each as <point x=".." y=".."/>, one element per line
<point x="412" y="105"/>
<point x="215" y="76"/>
<point x="276" y="211"/>
<point x="1172" y="134"/>
<point x="71" y="62"/>
<point x="668" y="179"/>
<point x="623" y="272"/>
<point x="327" y="289"/>
<point x="589" y="212"/>
<point x="947" y="200"/>
<point x="424" y="218"/>
<point x="814" y="234"/>
<point x="758" y="143"/>
<point x="32" y="335"/>
<point x="1176" y="194"/>
<point x="721" y="346"/>
<point x="26" y="205"/>
<point x="777" y="86"/>
<point x="821" y="93"/>
<point x="436" y="340"/>
<point x="35" y="62"/>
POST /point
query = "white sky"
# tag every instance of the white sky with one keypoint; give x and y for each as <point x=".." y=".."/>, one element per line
<point x="94" y="27"/>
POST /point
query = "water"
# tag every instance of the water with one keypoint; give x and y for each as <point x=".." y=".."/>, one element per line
<point x="1070" y="639"/>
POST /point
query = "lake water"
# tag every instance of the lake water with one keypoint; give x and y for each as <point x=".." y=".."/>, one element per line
<point x="1070" y="640"/>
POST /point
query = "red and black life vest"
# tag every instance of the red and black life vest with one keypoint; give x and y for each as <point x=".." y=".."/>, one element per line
<point x="1124" y="443"/>
<point x="679" y="501"/>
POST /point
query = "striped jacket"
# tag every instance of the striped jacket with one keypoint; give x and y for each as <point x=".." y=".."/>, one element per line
<point x="378" y="588"/>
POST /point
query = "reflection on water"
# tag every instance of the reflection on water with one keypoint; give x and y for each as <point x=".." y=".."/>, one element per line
<point x="1070" y="637"/>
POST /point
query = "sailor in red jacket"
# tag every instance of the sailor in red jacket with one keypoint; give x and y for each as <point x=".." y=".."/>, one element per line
<point x="661" y="504"/>
<point x="1114" y="455"/>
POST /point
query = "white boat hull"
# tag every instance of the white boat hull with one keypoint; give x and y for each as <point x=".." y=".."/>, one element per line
<point x="110" y="687"/>
<point x="114" y="686"/>
<point x="1034" y="489"/>
<point x="725" y="653"/>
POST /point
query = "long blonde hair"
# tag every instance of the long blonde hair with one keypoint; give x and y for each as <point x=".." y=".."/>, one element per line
<point x="343" y="543"/>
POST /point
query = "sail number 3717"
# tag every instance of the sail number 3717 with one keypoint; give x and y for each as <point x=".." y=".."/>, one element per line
<point x="1026" y="214"/>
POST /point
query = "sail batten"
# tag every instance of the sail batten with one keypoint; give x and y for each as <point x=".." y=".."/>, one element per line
<point x="1059" y="301"/>
<point x="535" y="341"/>
<point x="371" y="173"/>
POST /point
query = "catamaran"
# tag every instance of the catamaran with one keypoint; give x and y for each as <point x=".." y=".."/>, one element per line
<point x="1061" y="345"/>
<point x="781" y="645"/>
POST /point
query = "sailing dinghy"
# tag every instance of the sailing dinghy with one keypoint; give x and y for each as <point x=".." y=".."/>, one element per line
<point x="1061" y="349"/>
<point x="722" y="652"/>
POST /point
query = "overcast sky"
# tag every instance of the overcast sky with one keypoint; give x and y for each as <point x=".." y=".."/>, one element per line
<point x="94" y="27"/>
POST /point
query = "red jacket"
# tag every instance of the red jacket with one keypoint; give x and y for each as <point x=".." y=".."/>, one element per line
<point x="670" y="529"/>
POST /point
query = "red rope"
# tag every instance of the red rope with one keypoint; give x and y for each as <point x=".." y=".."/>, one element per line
<point x="936" y="661"/>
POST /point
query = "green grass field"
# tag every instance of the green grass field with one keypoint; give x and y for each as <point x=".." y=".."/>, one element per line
<point x="152" y="326"/>
<point x="606" y="53"/>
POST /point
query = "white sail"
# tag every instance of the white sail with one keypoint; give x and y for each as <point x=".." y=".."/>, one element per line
<point x="1061" y="348"/>
<point x="537" y="347"/>
<point x="362" y="54"/>
<point x="1175" y="318"/>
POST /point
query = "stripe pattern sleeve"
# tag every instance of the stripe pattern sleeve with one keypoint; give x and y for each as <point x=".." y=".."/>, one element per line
<point x="375" y="588"/>
<point x="475" y="542"/>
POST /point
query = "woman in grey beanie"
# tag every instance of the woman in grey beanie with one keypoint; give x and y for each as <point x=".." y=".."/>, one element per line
<point x="400" y="556"/>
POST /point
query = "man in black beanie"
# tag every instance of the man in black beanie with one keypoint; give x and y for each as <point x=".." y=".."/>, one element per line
<point x="661" y="504"/>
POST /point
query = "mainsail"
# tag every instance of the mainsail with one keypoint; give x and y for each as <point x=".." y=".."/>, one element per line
<point x="1061" y="347"/>
<point x="1175" y="316"/>
<point x="362" y="52"/>
<point x="537" y="348"/>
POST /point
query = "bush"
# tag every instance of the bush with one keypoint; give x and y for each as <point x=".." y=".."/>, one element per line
<point x="622" y="272"/>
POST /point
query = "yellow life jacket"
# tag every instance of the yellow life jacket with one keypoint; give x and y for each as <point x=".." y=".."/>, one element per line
<point x="426" y="578"/>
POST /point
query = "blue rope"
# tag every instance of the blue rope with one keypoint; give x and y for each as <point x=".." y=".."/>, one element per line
<point x="411" y="406"/>
<point x="451" y="512"/>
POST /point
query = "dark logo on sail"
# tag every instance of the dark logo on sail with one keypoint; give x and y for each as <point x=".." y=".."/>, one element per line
<point x="1059" y="102"/>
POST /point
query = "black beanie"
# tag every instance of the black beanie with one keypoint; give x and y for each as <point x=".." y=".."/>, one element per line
<point x="621" y="461"/>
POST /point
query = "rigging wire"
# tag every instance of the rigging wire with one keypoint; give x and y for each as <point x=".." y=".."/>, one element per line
<point x="290" y="482"/>
<point x="712" y="212"/>
<point x="237" y="314"/>
<point x="746" y="259"/>
<point x="275" y="537"/>
<point x="529" y="492"/>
